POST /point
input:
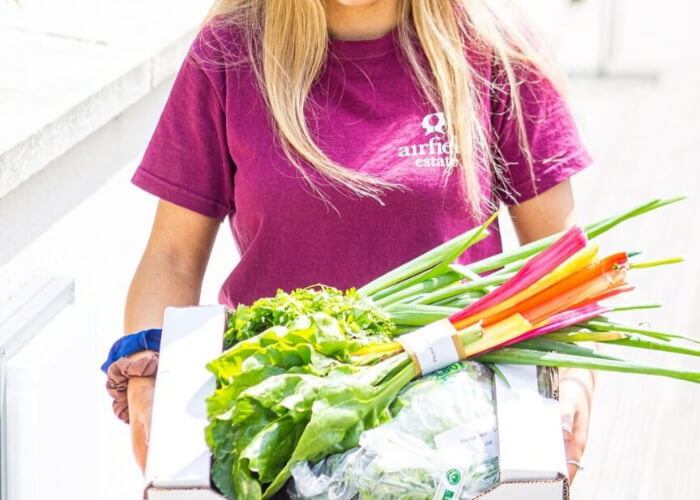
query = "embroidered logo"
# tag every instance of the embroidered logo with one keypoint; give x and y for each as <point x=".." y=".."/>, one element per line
<point x="436" y="151"/>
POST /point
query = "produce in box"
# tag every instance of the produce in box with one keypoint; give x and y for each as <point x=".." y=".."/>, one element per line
<point x="407" y="457"/>
<point x="306" y="374"/>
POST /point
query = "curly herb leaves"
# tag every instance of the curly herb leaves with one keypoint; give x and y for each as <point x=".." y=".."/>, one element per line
<point x="358" y="316"/>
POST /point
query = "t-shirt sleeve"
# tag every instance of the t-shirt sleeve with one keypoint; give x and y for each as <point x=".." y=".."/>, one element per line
<point x="555" y="147"/>
<point x="187" y="161"/>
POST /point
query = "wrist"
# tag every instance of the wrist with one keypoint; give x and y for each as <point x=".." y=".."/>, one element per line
<point x="131" y="344"/>
<point x="140" y="354"/>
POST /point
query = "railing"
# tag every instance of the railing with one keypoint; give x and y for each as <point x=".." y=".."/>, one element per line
<point x="20" y="320"/>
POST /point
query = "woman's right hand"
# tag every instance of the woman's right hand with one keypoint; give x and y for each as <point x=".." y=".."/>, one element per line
<point x="140" y="398"/>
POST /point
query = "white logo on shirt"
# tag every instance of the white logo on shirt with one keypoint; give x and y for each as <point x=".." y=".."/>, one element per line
<point x="435" y="152"/>
<point x="434" y="123"/>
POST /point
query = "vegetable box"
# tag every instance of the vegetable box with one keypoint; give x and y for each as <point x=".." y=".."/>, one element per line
<point x="530" y="446"/>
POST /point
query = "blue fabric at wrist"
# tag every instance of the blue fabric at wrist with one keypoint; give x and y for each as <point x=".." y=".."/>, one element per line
<point x="129" y="344"/>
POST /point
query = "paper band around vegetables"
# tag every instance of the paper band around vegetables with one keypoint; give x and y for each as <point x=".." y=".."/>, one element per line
<point x="433" y="346"/>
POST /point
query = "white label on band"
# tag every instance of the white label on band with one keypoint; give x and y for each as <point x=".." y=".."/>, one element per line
<point x="432" y="346"/>
<point x="451" y="484"/>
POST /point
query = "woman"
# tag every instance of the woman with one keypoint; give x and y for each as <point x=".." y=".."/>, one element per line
<point x="342" y="138"/>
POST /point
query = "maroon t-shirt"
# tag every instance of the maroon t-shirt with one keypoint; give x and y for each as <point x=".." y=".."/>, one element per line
<point x="214" y="151"/>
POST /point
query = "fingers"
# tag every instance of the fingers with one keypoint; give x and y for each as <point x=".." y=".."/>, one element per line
<point x="139" y="442"/>
<point x="140" y="397"/>
<point x="575" y="395"/>
<point x="573" y="447"/>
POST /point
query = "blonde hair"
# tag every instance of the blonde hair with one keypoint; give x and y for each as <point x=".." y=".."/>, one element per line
<point x="287" y="46"/>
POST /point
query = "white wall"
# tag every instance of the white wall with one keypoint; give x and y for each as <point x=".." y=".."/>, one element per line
<point x="80" y="218"/>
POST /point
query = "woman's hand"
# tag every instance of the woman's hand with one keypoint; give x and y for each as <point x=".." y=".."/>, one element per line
<point x="140" y="398"/>
<point x="575" y="398"/>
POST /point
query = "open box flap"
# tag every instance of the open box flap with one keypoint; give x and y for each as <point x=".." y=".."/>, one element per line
<point x="178" y="456"/>
<point x="531" y="445"/>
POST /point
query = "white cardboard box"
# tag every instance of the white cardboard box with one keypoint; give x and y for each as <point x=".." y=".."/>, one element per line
<point x="531" y="449"/>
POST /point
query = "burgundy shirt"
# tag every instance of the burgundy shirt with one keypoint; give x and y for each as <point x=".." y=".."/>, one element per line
<point x="215" y="152"/>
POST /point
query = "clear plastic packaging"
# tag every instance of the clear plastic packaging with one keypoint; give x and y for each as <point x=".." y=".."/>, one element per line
<point x="441" y="421"/>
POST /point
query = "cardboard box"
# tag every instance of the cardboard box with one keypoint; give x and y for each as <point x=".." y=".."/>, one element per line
<point x="531" y="450"/>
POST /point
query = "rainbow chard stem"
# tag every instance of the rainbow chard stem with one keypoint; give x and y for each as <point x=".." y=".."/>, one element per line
<point x="535" y="269"/>
<point x="557" y="322"/>
<point x="573" y="335"/>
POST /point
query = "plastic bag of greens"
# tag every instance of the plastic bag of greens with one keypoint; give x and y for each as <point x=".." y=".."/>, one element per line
<point x="443" y="432"/>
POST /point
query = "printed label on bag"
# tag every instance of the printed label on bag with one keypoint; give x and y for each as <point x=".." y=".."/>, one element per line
<point x="431" y="347"/>
<point x="479" y="436"/>
<point x="451" y="484"/>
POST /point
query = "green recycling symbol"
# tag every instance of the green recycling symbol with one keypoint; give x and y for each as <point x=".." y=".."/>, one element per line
<point x="454" y="476"/>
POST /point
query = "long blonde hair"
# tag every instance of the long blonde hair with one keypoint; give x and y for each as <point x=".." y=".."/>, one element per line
<point x="287" y="46"/>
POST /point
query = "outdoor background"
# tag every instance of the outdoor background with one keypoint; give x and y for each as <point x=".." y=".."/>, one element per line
<point x="82" y="83"/>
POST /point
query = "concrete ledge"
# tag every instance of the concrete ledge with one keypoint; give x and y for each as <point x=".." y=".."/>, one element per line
<point x="56" y="137"/>
<point x="62" y="82"/>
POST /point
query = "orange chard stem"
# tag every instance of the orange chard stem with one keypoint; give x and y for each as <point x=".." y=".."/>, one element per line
<point x="571" y="282"/>
<point x="596" y="286"/>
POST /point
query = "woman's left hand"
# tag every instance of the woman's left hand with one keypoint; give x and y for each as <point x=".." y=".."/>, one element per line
<point x="575" y="399"/>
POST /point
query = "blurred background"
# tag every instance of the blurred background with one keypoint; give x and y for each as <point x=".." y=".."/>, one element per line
<point x="82" y="84"/>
